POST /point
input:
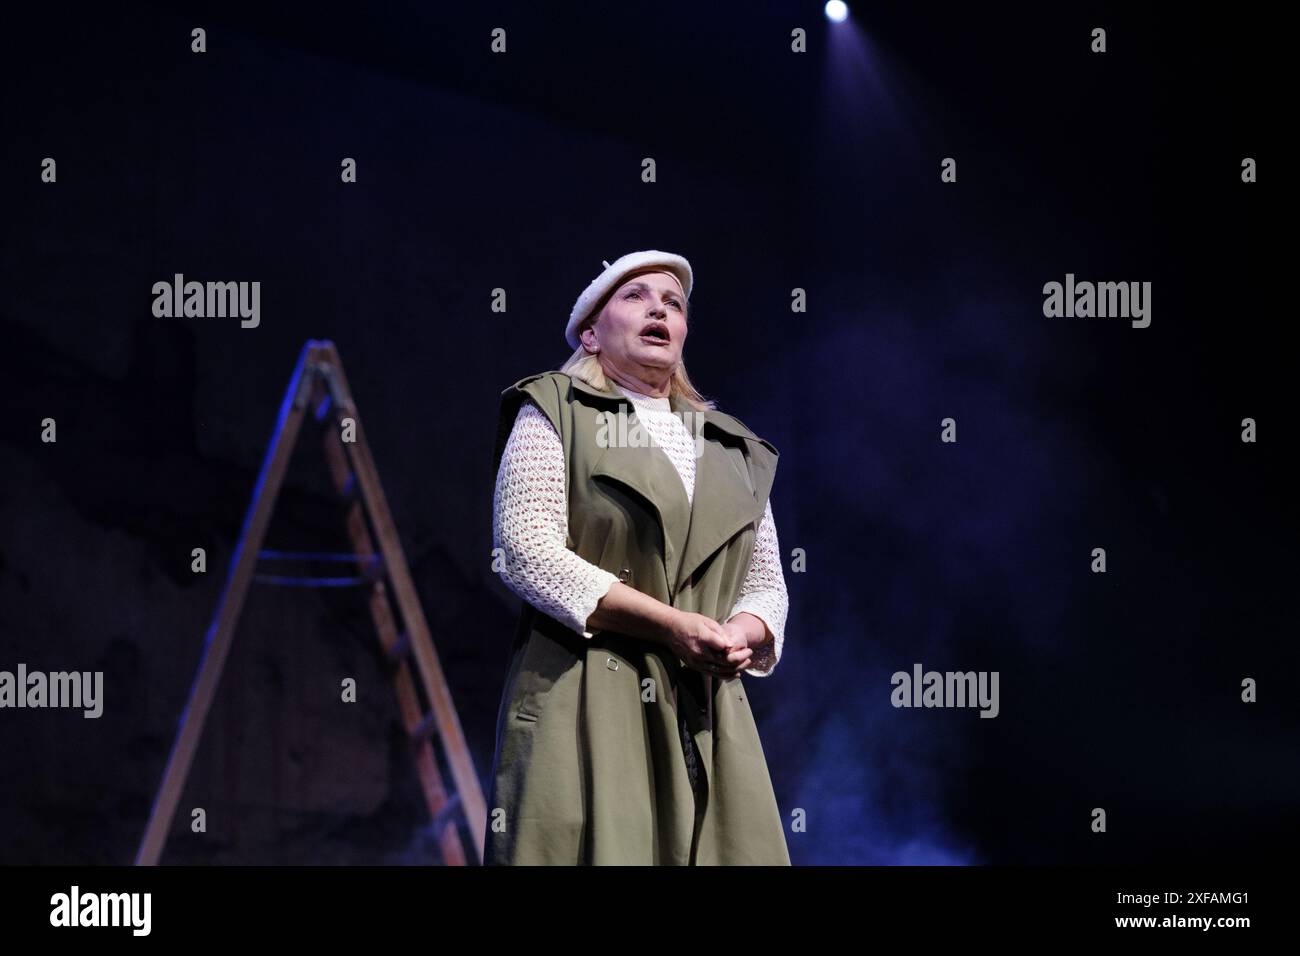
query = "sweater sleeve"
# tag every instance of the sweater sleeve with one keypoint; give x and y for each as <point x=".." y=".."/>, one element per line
<point x="764" y="595"/>
<point x="530" y="525"/>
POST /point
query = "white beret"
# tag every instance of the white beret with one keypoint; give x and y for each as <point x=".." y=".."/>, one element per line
<point x="613" y="276"/>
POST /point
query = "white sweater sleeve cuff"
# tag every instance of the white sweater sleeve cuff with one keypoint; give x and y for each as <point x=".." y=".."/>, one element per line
<point x="767" y="655"/>
<point x="586" y="603"/>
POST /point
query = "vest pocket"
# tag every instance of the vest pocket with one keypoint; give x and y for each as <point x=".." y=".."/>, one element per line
<point x="545" y="660"/>
<point x="530" y="698"/>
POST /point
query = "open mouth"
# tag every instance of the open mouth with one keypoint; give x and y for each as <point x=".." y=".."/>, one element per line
<point x="656" y="333"/>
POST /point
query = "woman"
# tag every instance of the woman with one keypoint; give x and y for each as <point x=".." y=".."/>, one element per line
<point x="652" y="580"/>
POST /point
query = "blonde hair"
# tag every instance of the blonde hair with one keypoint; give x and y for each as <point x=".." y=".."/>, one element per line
<point x="586" y="365"/>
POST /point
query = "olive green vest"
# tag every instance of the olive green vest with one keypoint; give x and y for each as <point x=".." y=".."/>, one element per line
<point x="588" y="765"/>
<point x="628" y="511"/>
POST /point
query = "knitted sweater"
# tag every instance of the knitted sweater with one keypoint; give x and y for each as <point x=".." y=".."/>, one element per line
<point x="530" y="527"/>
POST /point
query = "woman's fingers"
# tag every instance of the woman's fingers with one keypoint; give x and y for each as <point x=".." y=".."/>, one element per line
<point x="729" y="672"/>
<point x="729" y="665"/>
<point x="716" y="645"/>
<point x="720" y="651"/>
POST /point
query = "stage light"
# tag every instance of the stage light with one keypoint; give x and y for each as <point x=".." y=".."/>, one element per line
<point x="837" y="11"/>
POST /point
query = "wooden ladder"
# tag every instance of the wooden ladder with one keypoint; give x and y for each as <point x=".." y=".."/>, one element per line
<point x="319" y="384"/>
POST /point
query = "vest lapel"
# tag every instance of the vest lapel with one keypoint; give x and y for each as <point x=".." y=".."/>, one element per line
<point x="723" y="502"/>
<point x="730" y="491"/>
<point x="648" y="471"/>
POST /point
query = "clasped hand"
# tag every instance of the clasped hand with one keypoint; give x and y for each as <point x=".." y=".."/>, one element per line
<point x="703" y="644"/>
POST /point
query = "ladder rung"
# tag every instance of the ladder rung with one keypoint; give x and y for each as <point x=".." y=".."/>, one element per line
<point x="425" y="728"/>
<point x="446" y="813"/>
<point x="401" y="648"/>
<point x="291" y="581"/>
<point x="315" y="556"/>
<point x="371" y="572"/>
<point x="349" y="489"/>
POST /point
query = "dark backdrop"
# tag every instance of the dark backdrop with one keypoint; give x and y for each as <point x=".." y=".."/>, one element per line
<point x="776" y="171"/>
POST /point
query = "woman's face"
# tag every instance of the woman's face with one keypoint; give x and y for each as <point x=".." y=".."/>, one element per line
<point x="642" y="327"/>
